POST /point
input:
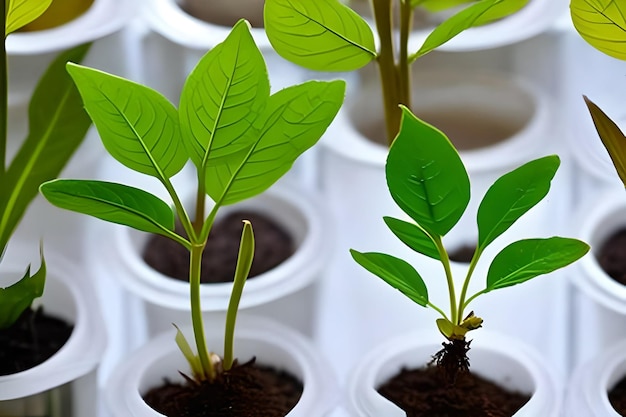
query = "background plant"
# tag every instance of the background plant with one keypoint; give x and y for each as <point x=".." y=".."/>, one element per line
<point x="57" y="125"/>
<point x="240" y="139"/>
<point x="326" y="35"/>
<point x="428" y="181"/>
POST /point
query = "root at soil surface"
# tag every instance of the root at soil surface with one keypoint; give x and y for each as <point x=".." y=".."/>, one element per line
<point x="452" y="360"/>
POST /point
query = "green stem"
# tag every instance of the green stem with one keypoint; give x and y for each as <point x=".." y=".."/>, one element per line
<point x="468" y="278"/>
<point x="404" y="69"/>
<point x="473" y="297"/>
<point x="438" y="310"/>
<point x="445" y="261"/>
<point x="195" y="264"/>
<point x="200" y="204"/>
<point x="4" y="94"/>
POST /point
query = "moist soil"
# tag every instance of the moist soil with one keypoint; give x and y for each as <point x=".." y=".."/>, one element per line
<point x="612" y="256"/>
<point x="446" y="388"/>
<point x="617" y="397"/>
<point x="273" y="245"/>
<point x="31" y="340"/>
<point x="247" y="390"/>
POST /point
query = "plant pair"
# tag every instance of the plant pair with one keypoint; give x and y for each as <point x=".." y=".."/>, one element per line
<point x="428" y="181"/>
<point x="240" y="139"/>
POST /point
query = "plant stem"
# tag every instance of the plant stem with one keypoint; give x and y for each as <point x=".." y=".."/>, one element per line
<point x="438" y="310"/>
<point x="445" y="261"/>
<point x="4" y="94"/>
<point x="195" y="264"/>
<point x="468" y="278"/>
<point x="200" y="204"/>
<point x="406" y="18"/>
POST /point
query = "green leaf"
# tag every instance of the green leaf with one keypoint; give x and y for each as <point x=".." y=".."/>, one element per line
<point x="115" y="203"/>
<point x="527" y="259"/>
<point x="138" y="126"/>
<point x="426" y="176"/>
<point x="322" y="35"/>
<point x="294" y="120"/>
<point x="477" y="14"/>
<point x="413" y="236"/>
<point x="57" y="125"/>
<point x="15" y="299"/>
<point x="395" y="272"/>
<point x="612" y="138"/>
<point x="192" y="359"/>
<point x="22" y="12"/>
<point x="223" y="95"/>
<point x="602" y="23"/>
<point x="512" y="195"/>
<point x="439" y="5"/>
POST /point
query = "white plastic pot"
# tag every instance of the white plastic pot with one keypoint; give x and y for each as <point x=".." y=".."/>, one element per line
<point x="271" y="343"/>
<point x="500" y="359"/>
<point x="68" y="295"/>
<point x="287" y="293"/>
<point x="599" y="309"/>
<point x="587" y="392"/>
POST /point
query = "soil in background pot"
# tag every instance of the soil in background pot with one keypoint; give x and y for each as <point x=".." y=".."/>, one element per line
<point x="31" y="340"/>
<point x="617" y="397"/>
<point x="612" y="256"/>
<point x="225" y="13"/>
<point x="446" y="388"/>
<point x="247" y="390"/>
<point x="462" y="254"/>
<point x="273" y="245"/>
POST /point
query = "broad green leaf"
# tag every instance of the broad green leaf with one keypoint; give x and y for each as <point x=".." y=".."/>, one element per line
<point x="19" y="296"/>
<point x="512" y="195"/>
<point x="439" y="5"/>
<point x="322" y="35"/>
<point x="294" y="120"/>
<point x="57" y="125"/>
<point x="21" y="12"/>
<point x="395" y="272"/>
<point x="244" y="263"/>
<point x="527" y="259"/>
<point x="602" y="23"/>
<point x="426" y="176"/>
<point x="192" y="359"/>
<point x="413" y="236"/>
<point x="222" y="96"/>
<point x="115" y="203"/>
<point x="138" y="126"/>
<point x="477" y="14"/>
<point x="612" y="138"/>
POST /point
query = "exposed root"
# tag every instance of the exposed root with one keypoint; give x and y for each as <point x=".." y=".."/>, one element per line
<point x="452" y="360"/>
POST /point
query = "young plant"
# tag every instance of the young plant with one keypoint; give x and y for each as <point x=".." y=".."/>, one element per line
<point x="240" y="139"/>
<point x="326" y="35"/>
<point x="57" y="125"/>
<point x="428" y="181"/>
<point x="601" y="25"/>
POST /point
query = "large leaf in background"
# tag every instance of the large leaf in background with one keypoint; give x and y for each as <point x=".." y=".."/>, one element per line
<point x="612" y="138"/>
<point x="115" y="203"/>
<point x="512" y="195"/>
<point x="322" y="35"/>
<point x="477" y="14"/>
<point x="426" y="176"/>
<point x="19" y="296"/>
<point x="294" y="120"/>
<point x="395" y="272"/>
<point x="439" y="5"/>
<point x="222" y="96"/>
<point x="602" y="23"/>
<point x="57" y="125"/>
<point x="527" y="259"/>
<point x="413" y="236"/>
<point x="22" y="12"/>
<point x="137" y="125"/>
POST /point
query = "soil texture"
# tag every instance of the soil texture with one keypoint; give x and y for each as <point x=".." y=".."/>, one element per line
<point x="612" y="256"/>
<point x="31" y="340"/>
<point x="446" y="388"/>
<point x="273" y="245"/>
<point x="247" y="390"/>
<point x="617" y="397"/>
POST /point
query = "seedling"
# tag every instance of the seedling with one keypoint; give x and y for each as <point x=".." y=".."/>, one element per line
<point x="240" y="139"/>
<point x="326" y="35"/>
<point x="57" y="125"/>
<point x="428" y="181"/>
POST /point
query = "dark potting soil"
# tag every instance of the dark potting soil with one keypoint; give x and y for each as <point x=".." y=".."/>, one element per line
<point x="463" y="254"/>
<point x="247" y="390"/>
<point x="273" y="245"/>
<point x="31" y="340"/>
<point x="617" y="397"/>
<point x="612" y="256"/>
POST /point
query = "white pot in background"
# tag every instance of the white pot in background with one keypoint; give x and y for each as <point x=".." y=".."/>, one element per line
<point x="271" y="343"/>
<point x="587" y="392"/>
<point x="287" y="293"/>
<point x="599" y="308"/>
<point x="72" y="370"/>
<point x="500" y="359"/>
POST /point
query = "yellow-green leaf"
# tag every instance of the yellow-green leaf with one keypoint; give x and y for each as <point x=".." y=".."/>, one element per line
<point x="602" y="23"/>
<point x="22" y="12"/>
